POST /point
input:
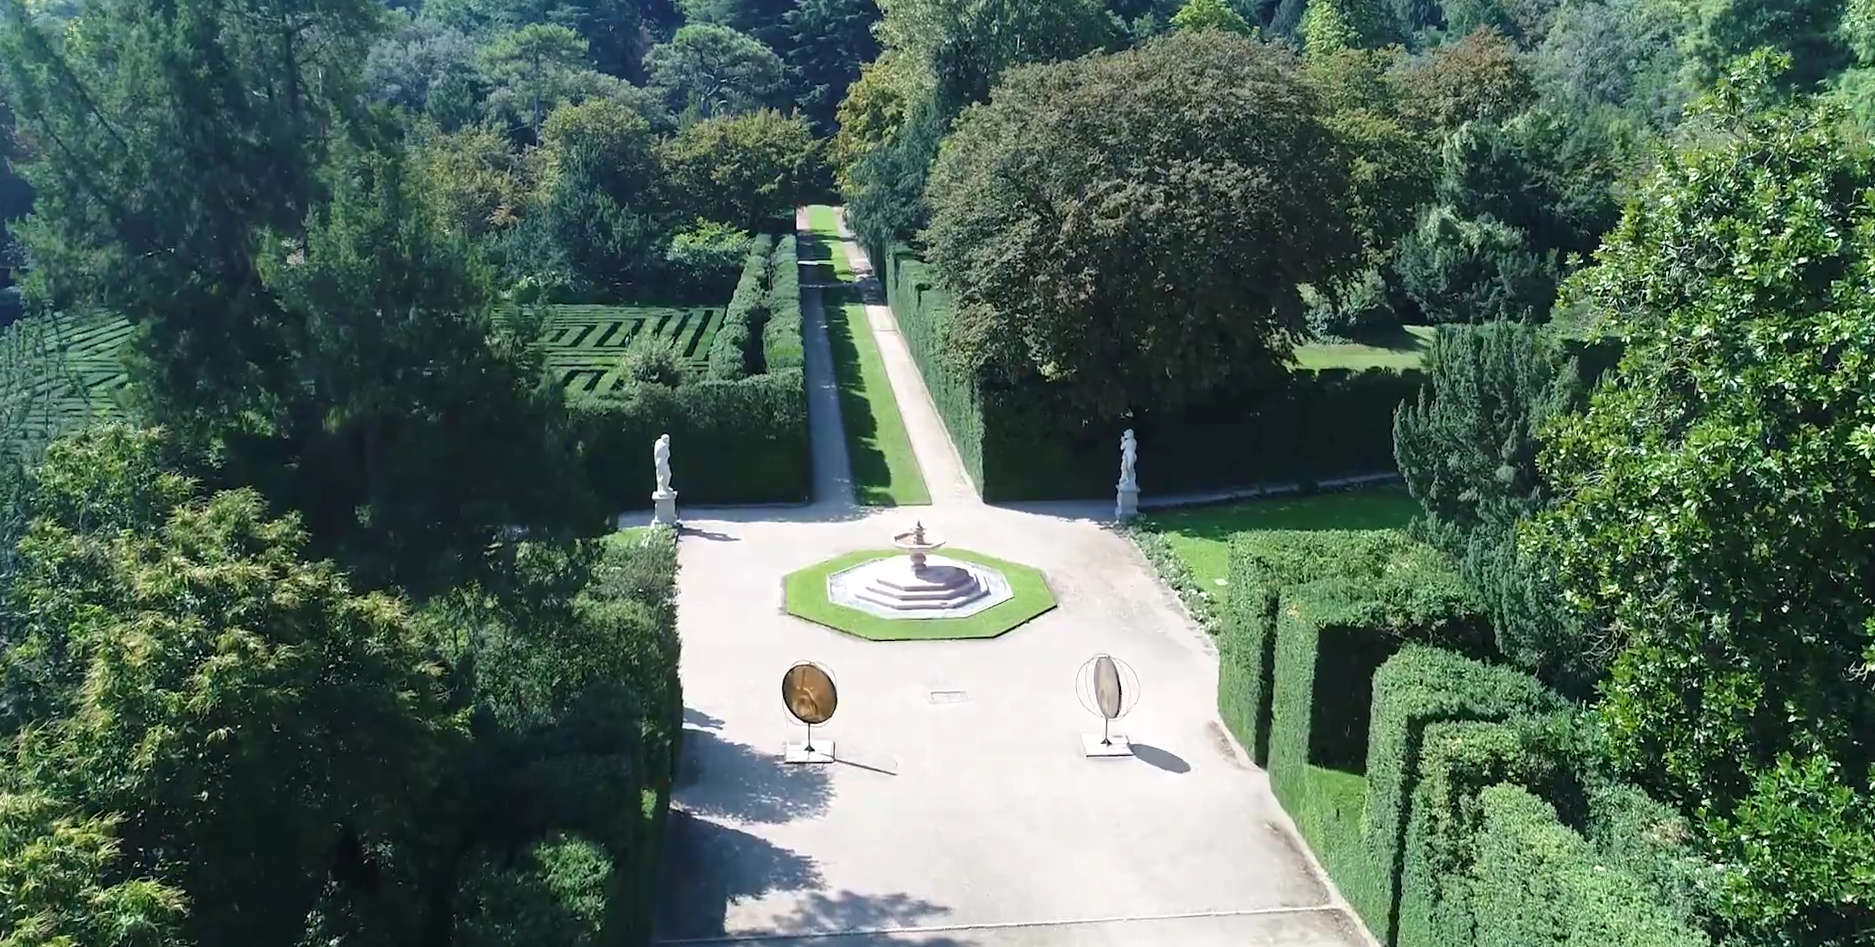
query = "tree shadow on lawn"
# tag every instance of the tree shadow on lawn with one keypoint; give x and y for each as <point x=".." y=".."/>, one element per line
<point x="872" y="476"/>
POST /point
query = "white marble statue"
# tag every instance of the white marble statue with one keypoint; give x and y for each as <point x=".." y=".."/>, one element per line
<point x="1129" y="458"/>
<point x="661" y="457"/>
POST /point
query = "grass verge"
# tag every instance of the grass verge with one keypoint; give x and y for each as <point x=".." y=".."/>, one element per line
<point x="885" y="470"/>
<point x="806" y="596"/>
<point x="1400" y="350"/>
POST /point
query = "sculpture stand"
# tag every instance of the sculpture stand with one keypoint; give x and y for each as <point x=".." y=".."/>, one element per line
<point x="808" y="752"/>
<point x="1105" y="745"/>
<point x="1126" y="502"/>
<point x="664" y="508"/>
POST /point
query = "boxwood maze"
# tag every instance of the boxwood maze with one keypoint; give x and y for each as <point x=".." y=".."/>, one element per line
<point x="585" y="343"/>
<point x="76" y="372"/>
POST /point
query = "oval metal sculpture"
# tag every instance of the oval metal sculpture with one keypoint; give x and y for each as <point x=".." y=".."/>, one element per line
<point x="809" y="693"/>
<point x="1107" y="687"/>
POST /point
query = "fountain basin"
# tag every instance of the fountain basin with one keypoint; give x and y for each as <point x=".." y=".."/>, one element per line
<point x="937" y="587"/>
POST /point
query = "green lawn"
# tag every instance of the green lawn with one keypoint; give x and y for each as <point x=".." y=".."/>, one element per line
<point x="1201" y="535"/>
<point x="1402" y="350"/>
<point x="806" y="594"/>
<point x="885" y="471"/>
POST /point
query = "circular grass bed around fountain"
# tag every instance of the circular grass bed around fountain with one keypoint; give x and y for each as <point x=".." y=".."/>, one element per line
<point x="806" y="595"/>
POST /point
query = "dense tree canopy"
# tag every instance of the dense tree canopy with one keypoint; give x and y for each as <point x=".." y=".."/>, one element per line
<point x="1095" y="239"/>
<point x="715" y="71"/>
<point x="1714" y="502"/>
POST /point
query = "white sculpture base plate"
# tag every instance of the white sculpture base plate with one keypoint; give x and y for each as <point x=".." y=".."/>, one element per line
<point x="664" y="508"/>
<point x="1126" y="503"/>
<point x="1116" y="745"/>
<point x="821" y="753"/>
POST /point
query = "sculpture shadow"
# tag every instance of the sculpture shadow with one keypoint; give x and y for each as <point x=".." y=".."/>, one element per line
<point x="697" y="718"/>
<point x="724" y="779"/>
<point x="712" y="536"/>
<point x="1161" y="759"/>
<point x="707" y="866"/>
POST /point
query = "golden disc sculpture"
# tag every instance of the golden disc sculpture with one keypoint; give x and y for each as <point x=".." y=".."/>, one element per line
<point x="1107" y="689"/>
<point x="808" y="692"/>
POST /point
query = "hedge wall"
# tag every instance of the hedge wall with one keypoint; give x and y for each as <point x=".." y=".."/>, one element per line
<point x="922" y="308"/>
<point x="1536" y="883"/>
<point x="1262" y="564"/>
<point x="1416" y="688"/>
<point x="1332" y="635"/>
<point x="781" y="337"/>
<point x="736" y="352"/>
<point x="1022" y="444"/>
<point x="731" y="441"/>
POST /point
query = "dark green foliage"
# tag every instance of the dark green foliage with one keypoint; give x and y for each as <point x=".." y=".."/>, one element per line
<point x="553" y="893"/>
<point x="1418" y="687"/>
<point x="736" y="352"/>
<point x="1457" y="760"/>
<point x="1714" y="501"/>
<point x="781" y="337"/>
<point x="1467" y="449"/>
<point x="63" y="875"/>
<point x="1474" y="270"/>
<point x="829" y="39"/>
<point x="703" y="260"/>
<point x="1095" y="219"/>
<point x="1535" y="882"/>
<point x="885" y="188"/>
<point x="732" y="441"/>
<point x="1545" y="173"/>
<point x="744" y="169"/>
<point x="714" y="71"/>
<point x="923" y="310"/>
<point x="1332" y="634"/>
<point x="1362" y="308"/>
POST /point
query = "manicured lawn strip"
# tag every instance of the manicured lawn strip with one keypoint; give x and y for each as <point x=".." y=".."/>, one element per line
<point x="806" y="595"/>
<point x="885" y="470"/>
<point x="1200" y="536"/>
<point x="1404" y="350"/>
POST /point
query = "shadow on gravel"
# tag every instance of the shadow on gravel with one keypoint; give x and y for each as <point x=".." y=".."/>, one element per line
<point x="875" y="915"/>
<point x="718" y="778"/>
<point x="708" y="866"/>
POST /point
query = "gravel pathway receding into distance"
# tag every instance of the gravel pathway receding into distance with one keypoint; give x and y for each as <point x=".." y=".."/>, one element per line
<point x="963" y="811"/>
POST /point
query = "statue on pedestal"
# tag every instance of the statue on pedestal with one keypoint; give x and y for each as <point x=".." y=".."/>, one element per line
<point x="1126" y="492"/>
<point x="663" y="499"/>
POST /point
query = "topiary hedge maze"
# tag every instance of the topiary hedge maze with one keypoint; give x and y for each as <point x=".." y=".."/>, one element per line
<point x="584" y="344"/>
<point x="68" y="369"/>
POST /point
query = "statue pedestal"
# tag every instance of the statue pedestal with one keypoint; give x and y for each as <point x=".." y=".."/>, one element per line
<point x="664" y="508"/>
<point x="1115" y="746"/>
<point x="1126" y="502"/>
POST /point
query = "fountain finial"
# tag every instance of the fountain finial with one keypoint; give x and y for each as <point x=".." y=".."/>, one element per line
<point x="917" y="532"/>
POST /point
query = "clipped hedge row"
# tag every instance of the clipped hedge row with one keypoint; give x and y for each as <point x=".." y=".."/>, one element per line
<point x="731" y="441"/>
<point x="735" y="352"/>
<point x="1023" y="444"/>
<point x="781" y="337"/>
<point x="1535" y="883"/>
<point x="1262" y="565"/>
<point x="922" y="307"/>
<point x="1416" y="688"/>
<point x="1332" y="636"/>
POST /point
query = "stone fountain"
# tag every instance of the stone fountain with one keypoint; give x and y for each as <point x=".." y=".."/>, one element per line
<point x="918" y="584"/>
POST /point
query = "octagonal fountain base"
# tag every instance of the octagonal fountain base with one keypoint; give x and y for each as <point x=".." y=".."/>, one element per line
<point x="939" y="587"/>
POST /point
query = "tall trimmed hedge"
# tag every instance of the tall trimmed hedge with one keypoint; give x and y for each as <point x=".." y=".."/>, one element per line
<point x="1262" y="565"/>
<point x="736" y="352"/>
<point x="731" y="441"/>
<point x="922" y="308"/>
<point x="781" y="337"/>
<point x="1416" y="688"/>
<point x="1022" y="443"/>
<point x="1332" y="635"/>
<point x="1536" y="883"/>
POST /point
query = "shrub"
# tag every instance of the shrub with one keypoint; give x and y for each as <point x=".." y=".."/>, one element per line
<point x="1457" y="760"/>
<point x="1474" y="270"/>
<point x="1262" y="565"/>
<point x="703" y="257"/>
<point x="1363" y="307"/>
<point x="1332" y="634"/>
<point x="1537" y="883"/>
<point x="733" y="441"/>
<point x="652" y="366"/>
<point x="781" y="337"/>
<point x="923" y="308"/>
<point x="735" y="352"/>
<point x="1417" y="687"/>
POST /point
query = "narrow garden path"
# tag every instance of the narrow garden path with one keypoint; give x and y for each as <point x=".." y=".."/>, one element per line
<point x="962" y="811"/>
<point x="833" y="472"/>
